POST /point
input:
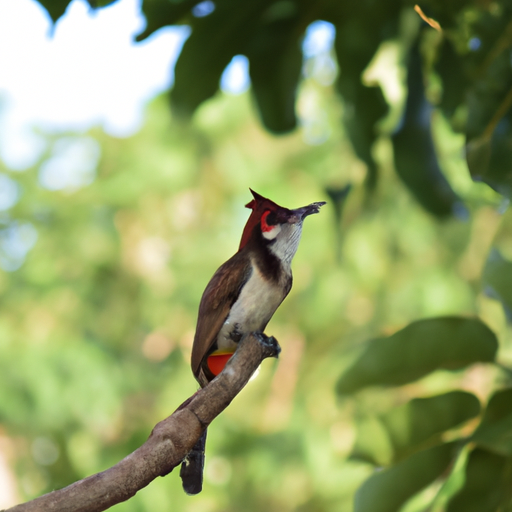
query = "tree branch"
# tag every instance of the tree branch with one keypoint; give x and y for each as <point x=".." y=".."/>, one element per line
<point x="168" y="444"/>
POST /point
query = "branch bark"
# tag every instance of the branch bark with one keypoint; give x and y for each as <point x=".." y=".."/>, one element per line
<point x="168" y="444"/>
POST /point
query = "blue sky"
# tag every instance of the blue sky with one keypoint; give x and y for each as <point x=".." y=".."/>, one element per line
<point x="88" y="72"/>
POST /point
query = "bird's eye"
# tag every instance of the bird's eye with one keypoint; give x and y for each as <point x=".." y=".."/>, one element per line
<point x="268" y="221"/>
<point x="272" y="219"/>
<point x="269" y="226"/>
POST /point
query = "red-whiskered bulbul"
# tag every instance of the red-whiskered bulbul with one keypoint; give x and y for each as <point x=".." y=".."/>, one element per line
<point x="241" y="298"/>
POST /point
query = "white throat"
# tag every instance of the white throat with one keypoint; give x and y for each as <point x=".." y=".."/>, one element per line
<point x="271" y="233"/>
<point x="286" y="242"/>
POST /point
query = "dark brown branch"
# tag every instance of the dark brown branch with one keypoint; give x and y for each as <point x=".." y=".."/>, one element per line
<point x="169" y="442"/>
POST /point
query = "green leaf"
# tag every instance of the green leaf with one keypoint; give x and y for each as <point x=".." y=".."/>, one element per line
<point x="388" y="490"/>
<point x="359" y="32"/>
<point x="410" y="427"/>
<point x="489" y="102"/>
<point x="497" y="278"/>
<point x="415" y="155"/>
<point x="373" y="443"/>
<point x="214" y="41"/>
<point x="424" y="419"/>
<point x="495" y="430"/>
<point x="55" y="8"/>
<point x="161" y="13"/>
<point x="360" y="116"/>
<point x="95" y="4"/>
<point x="275" y="57"/>
<point x="337" y="198"/>
<point x="489" y="155"/>
<point x="450" y="67"/>
<point x="487" y="484"/>
<point x="419" y="349"/>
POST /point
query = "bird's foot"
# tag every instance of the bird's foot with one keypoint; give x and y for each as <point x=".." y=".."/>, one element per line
<point x="269" y="342"/>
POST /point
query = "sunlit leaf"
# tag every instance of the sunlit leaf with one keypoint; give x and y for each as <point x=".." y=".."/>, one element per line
<point x="387" y="490"/>
<point x="487" y="485"/>
<point x="420" y="348"/>
<point x="373" y="443"/>
<point x="453" y="483"/>
<point x="412" y="426"/>
<point x="424" y="419"/>
<point x="495" y="431"/>
<point x="497" y="278"/>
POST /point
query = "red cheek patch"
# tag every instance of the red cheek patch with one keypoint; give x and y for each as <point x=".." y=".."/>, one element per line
<point x="216" y="362"/>
<point x="264" y="226"/>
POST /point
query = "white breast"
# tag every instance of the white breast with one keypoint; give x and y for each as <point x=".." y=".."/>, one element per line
<point x="252" y="311"/>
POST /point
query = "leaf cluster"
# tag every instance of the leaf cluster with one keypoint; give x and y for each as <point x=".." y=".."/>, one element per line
<point x="101" y="313"/>
<point x="466" y="54"/>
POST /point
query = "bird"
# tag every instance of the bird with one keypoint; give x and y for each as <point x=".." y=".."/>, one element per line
<point x="241" y="298"/>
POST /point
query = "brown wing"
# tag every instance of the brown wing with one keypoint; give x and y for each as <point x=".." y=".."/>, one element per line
<point x="220" y="294"/>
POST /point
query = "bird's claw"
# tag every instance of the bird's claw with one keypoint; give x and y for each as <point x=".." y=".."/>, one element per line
<point x="270" y="344"/>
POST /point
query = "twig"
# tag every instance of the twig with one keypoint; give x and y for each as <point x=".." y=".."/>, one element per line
<point x="430" y="21"/>
<point x="169" y="442"/>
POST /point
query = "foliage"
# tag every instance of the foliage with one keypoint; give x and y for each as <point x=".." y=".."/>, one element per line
<point x="468" y="58"/>
<point x="98" y="309"/>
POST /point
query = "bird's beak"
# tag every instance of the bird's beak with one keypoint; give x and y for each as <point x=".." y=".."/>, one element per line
<point x="301" y="213"/>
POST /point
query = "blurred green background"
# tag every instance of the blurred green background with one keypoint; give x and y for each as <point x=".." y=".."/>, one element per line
<point x="395" y="335"/>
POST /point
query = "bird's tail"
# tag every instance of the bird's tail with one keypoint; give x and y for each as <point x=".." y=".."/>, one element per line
<point x="191" y="472"/>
